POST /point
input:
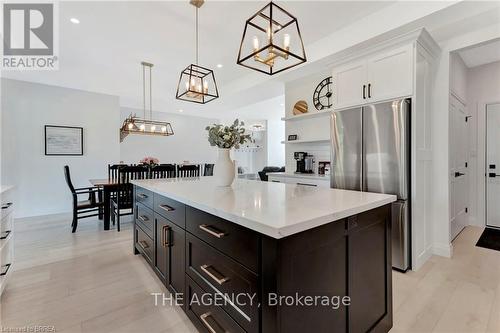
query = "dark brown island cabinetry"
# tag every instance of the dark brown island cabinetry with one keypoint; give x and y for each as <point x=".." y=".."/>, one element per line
<point x="248" y="280"/>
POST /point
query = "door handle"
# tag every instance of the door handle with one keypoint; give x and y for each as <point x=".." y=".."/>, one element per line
<point x="166" y="208"/>
<point x="211" y="230"/>
<point x="204" y="317"/>
<point x="206" y="269"/>
<point x="143" y="218"/>
<point x="5" y="234"/>
<point x="143" y="244"/>
<point x="369" y="90"/>
<point x="458" y="174"/>
<point x="493" y="175"/>
<point x="165" y="236"/>
<point x="364" y="91"/>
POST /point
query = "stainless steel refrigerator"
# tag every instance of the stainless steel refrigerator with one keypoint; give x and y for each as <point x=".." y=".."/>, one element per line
<point x="371" y="152"/>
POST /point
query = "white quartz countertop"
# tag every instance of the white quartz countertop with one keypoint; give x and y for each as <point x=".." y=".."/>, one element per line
<point x="300" y="175"/>
<point x="275" y="209"/>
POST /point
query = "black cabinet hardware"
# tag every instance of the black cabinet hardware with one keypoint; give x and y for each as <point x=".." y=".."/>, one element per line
<point x="364" y="91"/>
<point x="5" y="234"/>
<point x="7" y="205"/>
<point x="369" y="90"/>
<point x="493" y="166"/>
<point x="458" y="174"/>
<point x="493" y="175"/>
<point x="4" y="270"/>
<point x="304" y="184"/>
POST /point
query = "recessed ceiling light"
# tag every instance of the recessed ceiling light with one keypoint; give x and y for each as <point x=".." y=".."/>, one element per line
<point x="181" y="110"/>
<point x="74" y="20"/>
<point x="220" y="65"/>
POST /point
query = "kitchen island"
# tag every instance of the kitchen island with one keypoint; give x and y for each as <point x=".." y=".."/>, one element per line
<point x="269" y="257"/>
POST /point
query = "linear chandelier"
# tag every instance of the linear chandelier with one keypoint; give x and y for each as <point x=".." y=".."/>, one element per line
<point x="145" y="126"/>
<point x="271" y="41"/>
<point x="196" y="83"/>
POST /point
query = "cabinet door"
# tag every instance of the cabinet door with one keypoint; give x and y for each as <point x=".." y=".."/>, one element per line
<point x="161" y="250"/>
<point x="349" y="85"/>
<point x="390" y="74"/>
<point x="369" y="272"/>
<point x="170" y="249"/>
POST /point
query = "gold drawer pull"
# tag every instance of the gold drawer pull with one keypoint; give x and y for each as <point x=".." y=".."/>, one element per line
<point x="212" y="231"/>
<point x="206" y="269"/>
<point x="143" y="218"/>
<point x="142" y="195"/>
<point x="143" y="244"/>
<point x="204" y="318"/>
<point x="166" y="208"/>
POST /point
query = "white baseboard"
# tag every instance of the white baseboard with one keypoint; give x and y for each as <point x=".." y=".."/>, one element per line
<point x="443" y="250"/>
<point x="421" y="260"/>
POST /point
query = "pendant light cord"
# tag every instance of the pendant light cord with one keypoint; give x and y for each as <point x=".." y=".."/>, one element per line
<point x="196" y="35"/>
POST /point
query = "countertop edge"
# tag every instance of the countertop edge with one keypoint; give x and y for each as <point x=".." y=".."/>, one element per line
<point x="276" y="233"/>
<point x="299" y="175"/>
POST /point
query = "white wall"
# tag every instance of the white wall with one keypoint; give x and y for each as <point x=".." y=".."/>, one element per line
<point x="189" y="142"/>
<point x="483" y="87"/>
<point x="26" y="108"/>
<point x="458" y="77"/>
<point x="275" y="149"/>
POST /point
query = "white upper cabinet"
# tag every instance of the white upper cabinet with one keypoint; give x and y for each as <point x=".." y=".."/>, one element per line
<point x="349" y="81"/>
<point x="383" y="76"/>
<point x="390" y="74"/>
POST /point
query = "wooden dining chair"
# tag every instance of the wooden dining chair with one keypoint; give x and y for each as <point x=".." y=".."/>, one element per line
<point x="113" y="171"/>
<point x="163" y="171"/>
<point x="122" y="203"/>
<point x="93" y="206"/>
<point x="209" y="170"/>
<point x="192" y="170"/>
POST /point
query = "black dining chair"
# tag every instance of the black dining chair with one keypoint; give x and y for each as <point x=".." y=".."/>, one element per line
<point x="191" y="170"/>
<point x="113" y="171"/>
<point x="93" y="206"/>
<point x="123" y="200"/>
<point x="163" y="171"/>
<point x="209" y="170"/>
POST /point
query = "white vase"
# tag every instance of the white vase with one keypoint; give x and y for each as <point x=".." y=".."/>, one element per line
<point x="224" y="168"/>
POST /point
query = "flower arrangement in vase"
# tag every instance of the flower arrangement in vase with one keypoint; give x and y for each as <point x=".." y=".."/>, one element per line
<point x="150" y="161"/>
<point x="225" y="138"/>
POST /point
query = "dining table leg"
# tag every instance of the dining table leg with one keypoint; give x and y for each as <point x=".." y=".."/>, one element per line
<point x="107" y="209"/>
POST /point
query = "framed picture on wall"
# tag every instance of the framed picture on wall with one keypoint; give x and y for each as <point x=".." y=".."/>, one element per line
<point x="63" y="140"/>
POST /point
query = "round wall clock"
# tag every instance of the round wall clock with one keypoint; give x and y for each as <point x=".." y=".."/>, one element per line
<point x="322" y="97"/>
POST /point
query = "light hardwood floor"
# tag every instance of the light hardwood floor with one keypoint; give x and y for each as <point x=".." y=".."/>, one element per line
<point x="91" y="282"/>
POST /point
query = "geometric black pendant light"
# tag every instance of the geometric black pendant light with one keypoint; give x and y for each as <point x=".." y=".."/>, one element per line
<point x="196" y="83"/>
<point x="271" y="41"/>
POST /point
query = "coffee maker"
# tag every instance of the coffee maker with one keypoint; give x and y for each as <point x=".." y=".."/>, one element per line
<point x="305" y="162"/>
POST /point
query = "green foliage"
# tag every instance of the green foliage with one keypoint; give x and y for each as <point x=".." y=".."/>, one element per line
<point x="227" y="136"/>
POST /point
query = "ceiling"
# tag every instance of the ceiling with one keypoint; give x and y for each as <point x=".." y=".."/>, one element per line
<point x="103" y="52"/>
<point x="481" y="54"/>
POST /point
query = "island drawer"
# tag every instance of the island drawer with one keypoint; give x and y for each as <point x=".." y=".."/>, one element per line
<point x="170" y="209"/>
<point x="203" y="312"/>
<point x="144" y="196"/>
<point x="217" y="273"/>
<point x="239" y="243"/>
<point x="144" y="244"/>
<point x="145" y="217"/>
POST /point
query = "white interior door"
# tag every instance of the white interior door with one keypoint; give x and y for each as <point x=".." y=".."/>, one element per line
<point x="459" y="194"/>
<point x="493" y="165"/>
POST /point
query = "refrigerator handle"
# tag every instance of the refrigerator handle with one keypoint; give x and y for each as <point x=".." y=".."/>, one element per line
<point x="404" y="114"/>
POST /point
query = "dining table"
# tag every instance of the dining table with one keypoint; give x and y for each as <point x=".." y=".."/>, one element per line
<point x="108" y="186"/>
